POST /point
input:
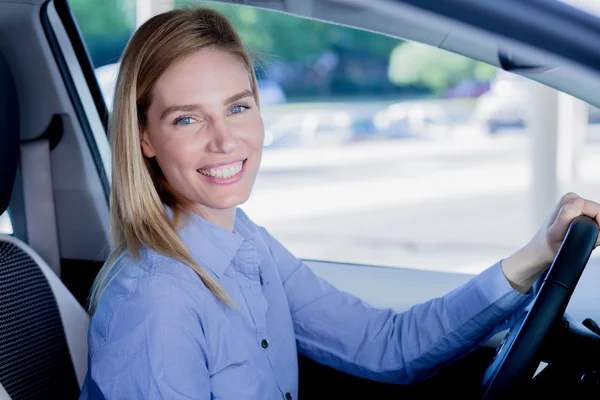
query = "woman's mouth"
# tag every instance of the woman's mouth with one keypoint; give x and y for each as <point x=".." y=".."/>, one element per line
<point x="224" y="174"/>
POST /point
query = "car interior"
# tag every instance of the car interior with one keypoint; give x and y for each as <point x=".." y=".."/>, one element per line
<point x="55" y="182"/>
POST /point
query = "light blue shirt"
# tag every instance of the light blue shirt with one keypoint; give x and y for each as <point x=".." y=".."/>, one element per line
<point x="159" y="333"/>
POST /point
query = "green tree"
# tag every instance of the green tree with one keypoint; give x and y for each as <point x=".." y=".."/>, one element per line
<point x="415" y="63"/>
<point x="105" y="25"/>
<point x="278" y="36"/>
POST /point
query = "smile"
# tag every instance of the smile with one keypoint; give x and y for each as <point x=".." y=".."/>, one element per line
<point x="224" y="171"/>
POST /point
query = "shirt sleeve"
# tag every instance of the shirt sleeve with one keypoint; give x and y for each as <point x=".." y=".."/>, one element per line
<point x="340" y="330"/>
<point x="155" y="348"/>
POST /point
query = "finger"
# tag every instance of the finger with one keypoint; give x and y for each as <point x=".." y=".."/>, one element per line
<point x="563" y="200"/>
<point x="592" y="210"/>
<point x="568" y="197"/>
<point x="569" y="211"/>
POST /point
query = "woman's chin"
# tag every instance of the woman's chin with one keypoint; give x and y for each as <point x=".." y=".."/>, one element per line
<point x="227" y="202"/>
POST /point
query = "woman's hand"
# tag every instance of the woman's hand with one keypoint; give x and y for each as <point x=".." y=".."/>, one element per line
<point x="524" y="267"/>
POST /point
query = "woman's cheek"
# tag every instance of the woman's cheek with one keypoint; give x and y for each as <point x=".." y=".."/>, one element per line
<point x="259" y="130"/>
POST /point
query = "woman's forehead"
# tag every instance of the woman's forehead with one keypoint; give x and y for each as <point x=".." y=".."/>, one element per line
<point x="205" y="74"/>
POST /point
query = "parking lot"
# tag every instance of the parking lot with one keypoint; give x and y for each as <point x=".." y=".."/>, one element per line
<point x="442" y="205"/>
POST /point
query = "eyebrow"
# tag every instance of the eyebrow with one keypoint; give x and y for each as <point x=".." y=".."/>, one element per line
<point x="239" y="96"/>
<point x="193" y="107"/>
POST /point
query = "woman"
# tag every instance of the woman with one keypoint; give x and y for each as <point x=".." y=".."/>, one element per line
<point x="198" y="302"/>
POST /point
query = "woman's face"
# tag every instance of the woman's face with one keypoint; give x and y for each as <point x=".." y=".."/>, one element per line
<point x="205" y="129"/>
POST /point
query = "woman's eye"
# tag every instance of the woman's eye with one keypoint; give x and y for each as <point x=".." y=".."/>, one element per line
<point x="184" y="121"/>
<point x="238" y="109"/>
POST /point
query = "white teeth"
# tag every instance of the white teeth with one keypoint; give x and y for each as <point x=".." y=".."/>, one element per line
<point x="222" y="172"/>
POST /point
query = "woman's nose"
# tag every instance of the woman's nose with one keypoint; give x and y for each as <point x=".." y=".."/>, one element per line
<point x="223" y="140"/>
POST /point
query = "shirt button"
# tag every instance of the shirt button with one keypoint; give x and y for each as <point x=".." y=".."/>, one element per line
<point x="288" y="396"/>
<point x="264" y="343"/>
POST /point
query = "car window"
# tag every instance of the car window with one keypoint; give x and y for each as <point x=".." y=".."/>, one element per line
<point x="5" y="225"/>
<point x="378" y="151"/>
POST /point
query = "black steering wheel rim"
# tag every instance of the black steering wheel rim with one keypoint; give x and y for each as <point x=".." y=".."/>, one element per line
<point x="517" y="355"/>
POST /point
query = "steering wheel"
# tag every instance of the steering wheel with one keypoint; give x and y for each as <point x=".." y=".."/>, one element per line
<point x="517" y="356"/>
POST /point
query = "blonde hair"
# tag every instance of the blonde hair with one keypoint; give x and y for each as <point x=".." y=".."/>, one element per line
<point x="140" y="192"/>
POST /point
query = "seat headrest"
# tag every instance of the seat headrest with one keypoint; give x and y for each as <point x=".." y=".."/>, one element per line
<point x="9" y="133"/>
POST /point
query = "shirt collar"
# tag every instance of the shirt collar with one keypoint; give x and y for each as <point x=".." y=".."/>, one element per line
<point x="212" y="246"/>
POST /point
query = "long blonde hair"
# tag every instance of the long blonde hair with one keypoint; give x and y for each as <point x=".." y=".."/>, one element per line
<point x="140" y="191"/>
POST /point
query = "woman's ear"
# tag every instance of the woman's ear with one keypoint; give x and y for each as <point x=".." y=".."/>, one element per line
<point x="147" y="148"/>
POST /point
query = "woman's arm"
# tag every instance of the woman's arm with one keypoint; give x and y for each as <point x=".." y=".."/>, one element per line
<point x="339" y="330"/>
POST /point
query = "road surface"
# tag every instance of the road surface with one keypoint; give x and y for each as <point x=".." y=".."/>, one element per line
<point x="454" y="206"/>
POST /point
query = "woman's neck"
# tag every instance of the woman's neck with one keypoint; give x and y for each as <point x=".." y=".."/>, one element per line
<point x="223" y="218"/>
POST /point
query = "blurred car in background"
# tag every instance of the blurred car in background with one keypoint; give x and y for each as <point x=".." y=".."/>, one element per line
<point x="507" y="106"/>
<point x="467" y="89"/>
<point x="308" y="128"/>
<point x="424" y="120"/>
<point x="270" y="92"/>
<point x="107" y="79"/>
<point x="322" y="128"/>
<point x="363" y="128"/>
